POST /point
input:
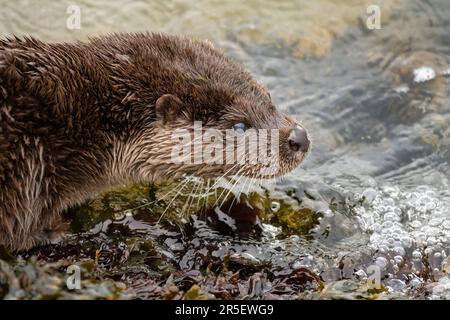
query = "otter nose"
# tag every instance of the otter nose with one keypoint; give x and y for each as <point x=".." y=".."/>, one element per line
<point x="298" y="140"/>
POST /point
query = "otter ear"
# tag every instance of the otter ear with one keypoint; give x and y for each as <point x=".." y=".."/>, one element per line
<point x="168" y="107"/>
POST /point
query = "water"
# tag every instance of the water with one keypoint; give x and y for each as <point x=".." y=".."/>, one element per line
<point x="377" y="105"/>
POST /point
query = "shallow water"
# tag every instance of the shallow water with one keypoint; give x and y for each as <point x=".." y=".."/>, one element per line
<point x="376" y="185"/>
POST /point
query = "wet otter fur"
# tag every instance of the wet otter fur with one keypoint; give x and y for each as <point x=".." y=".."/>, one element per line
<point x="78" y="118"/>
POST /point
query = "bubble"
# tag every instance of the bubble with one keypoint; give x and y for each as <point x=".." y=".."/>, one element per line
<point x="381" y="262"/>
<point x="369" y="182"/>
<point x="391" y="216"/>
<point x="128" y="213"/>
<point x="396" y="232"/>
<point x="387" y="225"/>
<point x="370" y="194"/>
<point x="422" y="189"/>
<point x="431" y="205"/>
<point x="431" y="241"/>
<point x="398" y="242"/>
<point x="396" y="284"/>
<point x="407" y="242"/>
<point x="419" y="236"/>
<point x="119" y="215"/>
<point x="446" y="224"/>
<point x="390" y="242"/>
<point x="415" y="224"/>
<point x="415" y="282"/>
<point x="417" y="256"/>
<point x="376" y="227"/>
<point x="270" y="231"/>
<point x="274" y="206"/>
<point x="439" y="289"/>
<point x="399" y="251"/>
<point x="431" y="231"/>
<point x="395" y="268"/>
<point x="389" y="203"/>
<point x="435" y="222"/>
<point x="398" y="260"/>
<point x="391" y="191"/>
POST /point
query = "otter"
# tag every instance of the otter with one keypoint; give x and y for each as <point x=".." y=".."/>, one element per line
<point x="79" y="118"/>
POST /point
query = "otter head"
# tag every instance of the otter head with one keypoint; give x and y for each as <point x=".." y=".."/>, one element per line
<point x="220" y="133"/>
<point x="211" y="118"/>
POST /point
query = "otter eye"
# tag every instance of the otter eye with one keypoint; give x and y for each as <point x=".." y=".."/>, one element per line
<point x="240" y="127"/>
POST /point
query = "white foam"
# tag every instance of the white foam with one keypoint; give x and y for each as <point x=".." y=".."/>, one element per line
<point x="424" y="74"/>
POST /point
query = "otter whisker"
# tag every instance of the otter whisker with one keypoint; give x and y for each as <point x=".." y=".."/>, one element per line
<point x="187" y="202"/>
<point x="217" y="180"/>
<point x="231" y="189"/>
<point x="190" y="200"/>
<point x="231" y="205"/>
<point x="189" y="179"/>
<point x="238" y="197"/>
<point x="224" y="189"/>
<point x="250" y="185"/>
<point x="201" y="194"/>
<point x="181" y="185"/>
<point x="246" y="184"/>
<point x="205" y="193"/>
<point x="242" y="185"/>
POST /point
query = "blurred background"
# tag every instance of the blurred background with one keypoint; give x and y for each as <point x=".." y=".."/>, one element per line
<point x="376" y="103"/>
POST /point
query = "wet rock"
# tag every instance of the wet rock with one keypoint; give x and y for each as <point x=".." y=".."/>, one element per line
<point x="418" y="67"/>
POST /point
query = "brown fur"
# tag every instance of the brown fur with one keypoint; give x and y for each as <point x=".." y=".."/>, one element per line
<point x="78" y="118"/>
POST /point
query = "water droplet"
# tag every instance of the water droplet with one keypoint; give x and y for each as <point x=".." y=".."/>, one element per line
<point x="119" y="215"/>
<point x="128" y="213"/>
